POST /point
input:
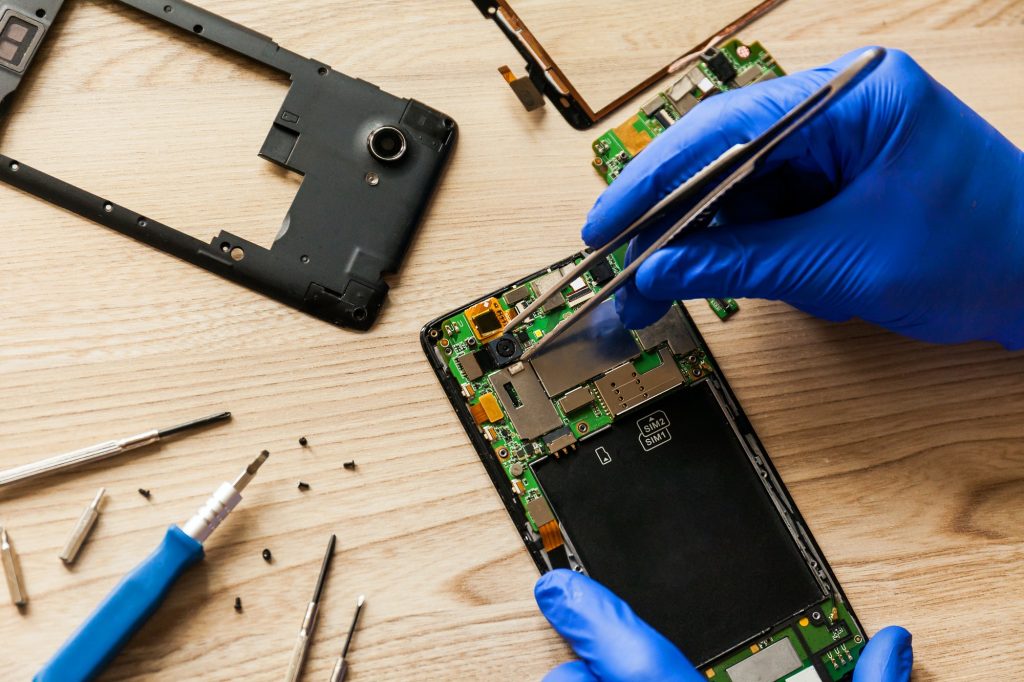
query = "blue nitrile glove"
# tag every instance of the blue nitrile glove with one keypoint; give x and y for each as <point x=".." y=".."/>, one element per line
<point x="899" y="205"/>
<point x="614" y="645"/>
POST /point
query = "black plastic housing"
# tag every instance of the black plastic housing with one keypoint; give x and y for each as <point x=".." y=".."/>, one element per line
<point x="352" y="219"/>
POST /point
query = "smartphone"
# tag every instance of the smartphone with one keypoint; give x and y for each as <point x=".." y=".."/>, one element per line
<point x="624" y="455"/>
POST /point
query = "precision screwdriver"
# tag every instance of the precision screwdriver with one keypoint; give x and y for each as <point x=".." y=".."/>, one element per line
<point x="98" y="640"/>
<point x="340" y="671"/>
<point x="94" y="453"/>
<point x="309" y="620"/>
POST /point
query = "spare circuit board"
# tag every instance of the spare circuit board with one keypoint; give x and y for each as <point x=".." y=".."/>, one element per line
<point x="735" y="65"/>
<point x="523" y="414"/>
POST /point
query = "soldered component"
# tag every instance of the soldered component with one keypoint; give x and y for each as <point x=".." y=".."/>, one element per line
<point x="540" y="511"/>
<point x="487" y="319"/>
<point x="770" y="663"/>
<point x="747" y="76"/>
<point x="523" y="398"/>
<point x="516" y="295"/>
<point x="653" y="106"/>
<point x="518" y="487"/>
<point x="559" y="439"/>
<point x="719" y="64"/>
<point x="575" y="399"/>
<point x="602" y="273"/>
<point x="624" y="388"/>
<point x="664" y="118"/>
<point x="490" y="434"/>
<point x="470" y="367"/>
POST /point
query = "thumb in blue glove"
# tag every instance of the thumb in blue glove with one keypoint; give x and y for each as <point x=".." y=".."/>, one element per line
<point x="614" y="645"/>
<point x="898" y="205"/>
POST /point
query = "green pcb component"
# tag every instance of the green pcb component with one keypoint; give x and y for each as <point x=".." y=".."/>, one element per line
<point x="735" y="65"/>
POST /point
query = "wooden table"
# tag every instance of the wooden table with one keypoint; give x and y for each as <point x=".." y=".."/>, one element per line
<point x="905" y="458"/>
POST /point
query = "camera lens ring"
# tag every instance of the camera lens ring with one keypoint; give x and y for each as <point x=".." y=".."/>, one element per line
<point x="387" y="144"/>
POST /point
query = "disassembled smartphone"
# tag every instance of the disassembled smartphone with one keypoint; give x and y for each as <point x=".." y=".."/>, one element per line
<point x="370" y="162"/>
<point x="625" y="455"/>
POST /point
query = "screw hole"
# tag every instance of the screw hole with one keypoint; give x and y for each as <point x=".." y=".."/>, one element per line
<point x="108" y="207"/>
<point x="168" y="9"/>
<point x="448" y="123"/>
<point x="492" y="10"/>
<point x="15" y="167"/>
<point x="40" y="13"/>
<point x="225" y="247"/>
<point x="198" y="28"/>
<point x="359" y="314"/>
<point x="141" y="222"/>
<point x="237" y="253"/>
<point x="304" y="259"/>
<point x="322" y="71"/>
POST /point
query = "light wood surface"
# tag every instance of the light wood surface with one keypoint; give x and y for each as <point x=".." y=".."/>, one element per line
<point x="906" y="459"/>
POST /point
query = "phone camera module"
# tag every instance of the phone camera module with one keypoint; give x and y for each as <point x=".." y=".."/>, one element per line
<point x="387" y="143"/>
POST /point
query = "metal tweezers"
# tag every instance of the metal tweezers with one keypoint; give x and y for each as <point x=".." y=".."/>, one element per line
<point x="697" y="196"/>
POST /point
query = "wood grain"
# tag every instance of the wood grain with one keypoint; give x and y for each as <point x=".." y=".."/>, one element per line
<point x="906" y="459"/>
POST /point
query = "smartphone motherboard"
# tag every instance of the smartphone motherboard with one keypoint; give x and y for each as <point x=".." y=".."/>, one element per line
<point x="624" y="455"/>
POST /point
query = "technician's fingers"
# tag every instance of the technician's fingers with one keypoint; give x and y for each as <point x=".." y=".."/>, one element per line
<point x="637" y="311"/>
<point x="575" y="671"/>
<point x="711" y="128"/>
<point x="605" y="633"/>
<point x="888" y="657"/>
<point x="785" y="259"/>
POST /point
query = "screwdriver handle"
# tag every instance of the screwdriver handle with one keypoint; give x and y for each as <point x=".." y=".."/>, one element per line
<point x="302" y="642"/>
<point x="125" y="609"/>
<point x="91" y="453"/>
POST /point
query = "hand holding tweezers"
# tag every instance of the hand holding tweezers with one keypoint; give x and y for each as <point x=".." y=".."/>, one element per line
<point x="696" y="197"/>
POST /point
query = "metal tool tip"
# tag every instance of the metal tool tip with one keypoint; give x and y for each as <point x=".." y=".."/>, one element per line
<point x="99" y="497"/>
<point x="258" y="462"/>
<point x="195" y="424"/>
<point x="362" y="598"/>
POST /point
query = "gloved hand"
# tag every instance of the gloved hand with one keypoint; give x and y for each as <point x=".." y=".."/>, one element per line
<point x="614" y="645"/>
<point x="898" y="205"/>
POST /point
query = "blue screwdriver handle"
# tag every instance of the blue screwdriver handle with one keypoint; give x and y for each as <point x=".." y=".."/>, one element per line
<point x="125" y="609"/>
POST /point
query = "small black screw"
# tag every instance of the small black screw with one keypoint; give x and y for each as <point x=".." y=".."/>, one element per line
<point x="267" y="556"/>
<point x="145" y="493"/>
<point x="238" y="604"/>
<point x="350" y="465"/>
<point x="303" y="485"/>
<point x="303" y="441"/>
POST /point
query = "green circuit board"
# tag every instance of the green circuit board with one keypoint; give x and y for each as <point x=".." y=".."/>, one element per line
<point x="735" y="65"/>
<point x="459" y="339"/>
<point x="822" y="645"/>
